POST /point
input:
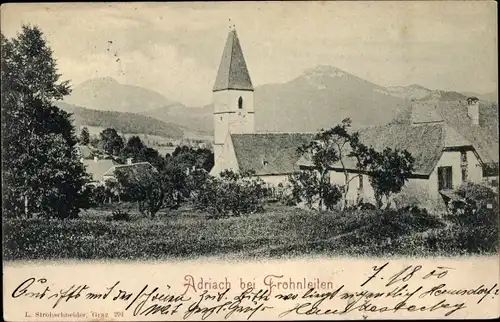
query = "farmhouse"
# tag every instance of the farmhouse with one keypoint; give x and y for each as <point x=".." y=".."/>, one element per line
<point x="451" y="141"/>
<point x="102" y="170"/>
<point x="97" y="168"/>
<point x="136" y="171"/>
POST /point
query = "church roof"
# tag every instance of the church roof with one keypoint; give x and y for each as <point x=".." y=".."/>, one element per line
<point x="269" y="153"/>
<point x="233" y="72"/>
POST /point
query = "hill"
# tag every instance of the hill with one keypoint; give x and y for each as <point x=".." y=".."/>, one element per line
<point x="122" y="122"/>
<point x="490" y="97"/>
<point x="106" y="94"/>
<point x="420" y="93"/>
<point x="199" y="119"/>
<point x="322" y="97"/>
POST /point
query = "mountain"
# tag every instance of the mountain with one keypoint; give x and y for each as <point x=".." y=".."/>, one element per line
<point x="414" y="91"/>
<point x="420" y="93"/>
<point x="121" y="121"/>
<point x="198" y="119"/>
<point x="490" y="97"/>
<point x="321" y="97"/>
<point x="106" y="94"/>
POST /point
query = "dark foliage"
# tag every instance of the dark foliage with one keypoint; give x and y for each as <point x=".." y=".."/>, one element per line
<point x="41" y="172"/>
<point x="84" y="136"/>
<point x="231" y="194"/>
<point x="110" y="142"/>
<point x="120" y="215"/>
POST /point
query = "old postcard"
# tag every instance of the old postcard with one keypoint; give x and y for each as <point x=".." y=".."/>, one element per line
<point x="250" y="161"/>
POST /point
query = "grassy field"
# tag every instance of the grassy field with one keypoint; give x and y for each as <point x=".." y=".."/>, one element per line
<point x="279" y="232"/>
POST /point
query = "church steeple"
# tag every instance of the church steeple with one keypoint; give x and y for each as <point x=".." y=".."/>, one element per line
<point x="233" y="73"/>
<point x="233" y="96"/>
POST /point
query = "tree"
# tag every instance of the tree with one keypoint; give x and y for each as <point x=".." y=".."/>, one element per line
<point x="231" y="193"/>
<point x="85" y="136"/>
<point x="139" y="152"/>
<point x="308" y="187"/>
<point x="40" y="167"/>
<point x="110" y="141"/>
<point x="143" y="187"/>
<point x="327" y="148"/>
<point x="133" y="147"/>
<point x="189" y="158"/>
<point x="389" y="172"/>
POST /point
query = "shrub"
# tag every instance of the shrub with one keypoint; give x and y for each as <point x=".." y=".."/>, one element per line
<point x="477" y="208"/>
<point x="390" y="223"/>
<point x="314" y="190"/>
<point x="120" y="215"/>
<point x="145" y="188"/>
<point x="231" y="193"/>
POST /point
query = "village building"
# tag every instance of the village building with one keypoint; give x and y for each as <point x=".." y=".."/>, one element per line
<point x="105" y="169"/>
<point x="136" y="171"/>
<point x="452" y="141"/>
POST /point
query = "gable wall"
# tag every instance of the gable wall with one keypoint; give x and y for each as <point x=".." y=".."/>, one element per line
<point x="227" y="158"/>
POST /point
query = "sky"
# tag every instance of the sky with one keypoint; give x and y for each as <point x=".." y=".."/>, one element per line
<point x="175" y="48"/>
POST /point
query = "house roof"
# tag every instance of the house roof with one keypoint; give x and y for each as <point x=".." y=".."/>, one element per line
<point x="134" y="169"/>
<point x="269" y="153"/>
<point x="425" y="143"/>
<point x="425" y="113"/>
<point x="483" y="137"/>
<point x="84" y="151"/>
<point x="98" y="168"/>
<point x="233" y="72"/>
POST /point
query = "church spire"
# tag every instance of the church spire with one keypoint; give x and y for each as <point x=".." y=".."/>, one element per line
<point x="233" y="72"/>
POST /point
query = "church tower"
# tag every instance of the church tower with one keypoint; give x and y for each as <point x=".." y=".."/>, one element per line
<point x="233" y="95"/>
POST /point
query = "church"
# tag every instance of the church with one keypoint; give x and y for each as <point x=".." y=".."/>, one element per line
<point x="452" y="141"/>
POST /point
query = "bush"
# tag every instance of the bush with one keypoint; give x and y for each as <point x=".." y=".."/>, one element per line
<point x="119" y="215"/>
<point x="392" y="224"/>
<point x="232" y="193"/>
<point x="477" y="208"/>
<point x="314" y="190"/>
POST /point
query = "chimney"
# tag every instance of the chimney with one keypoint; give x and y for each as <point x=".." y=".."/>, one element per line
<point x="96" y="159"/>
<point x="473" y="109"/>
<point x="129" y="160"/>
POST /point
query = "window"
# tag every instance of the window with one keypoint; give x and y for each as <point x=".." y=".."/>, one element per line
<point x="464" y="165"/>
<point x="445" y="178"/>
<point x="240" y="102"/>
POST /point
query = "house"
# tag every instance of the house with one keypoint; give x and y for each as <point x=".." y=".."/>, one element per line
<point x="451" y="142"/>
<point x="97" y="168"/>
<point x="84" y="151"/>
<point x="136" y="170"/>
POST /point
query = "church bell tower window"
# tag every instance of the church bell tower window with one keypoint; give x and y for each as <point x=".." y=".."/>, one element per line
<point x="240" y="102"/>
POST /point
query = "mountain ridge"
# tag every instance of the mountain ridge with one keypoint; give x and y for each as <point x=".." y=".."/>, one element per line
<point x="125" y="122"/>
<point x="320" y="97"/>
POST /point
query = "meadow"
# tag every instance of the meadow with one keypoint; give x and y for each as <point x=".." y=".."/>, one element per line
<point x="278" y="232"/>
